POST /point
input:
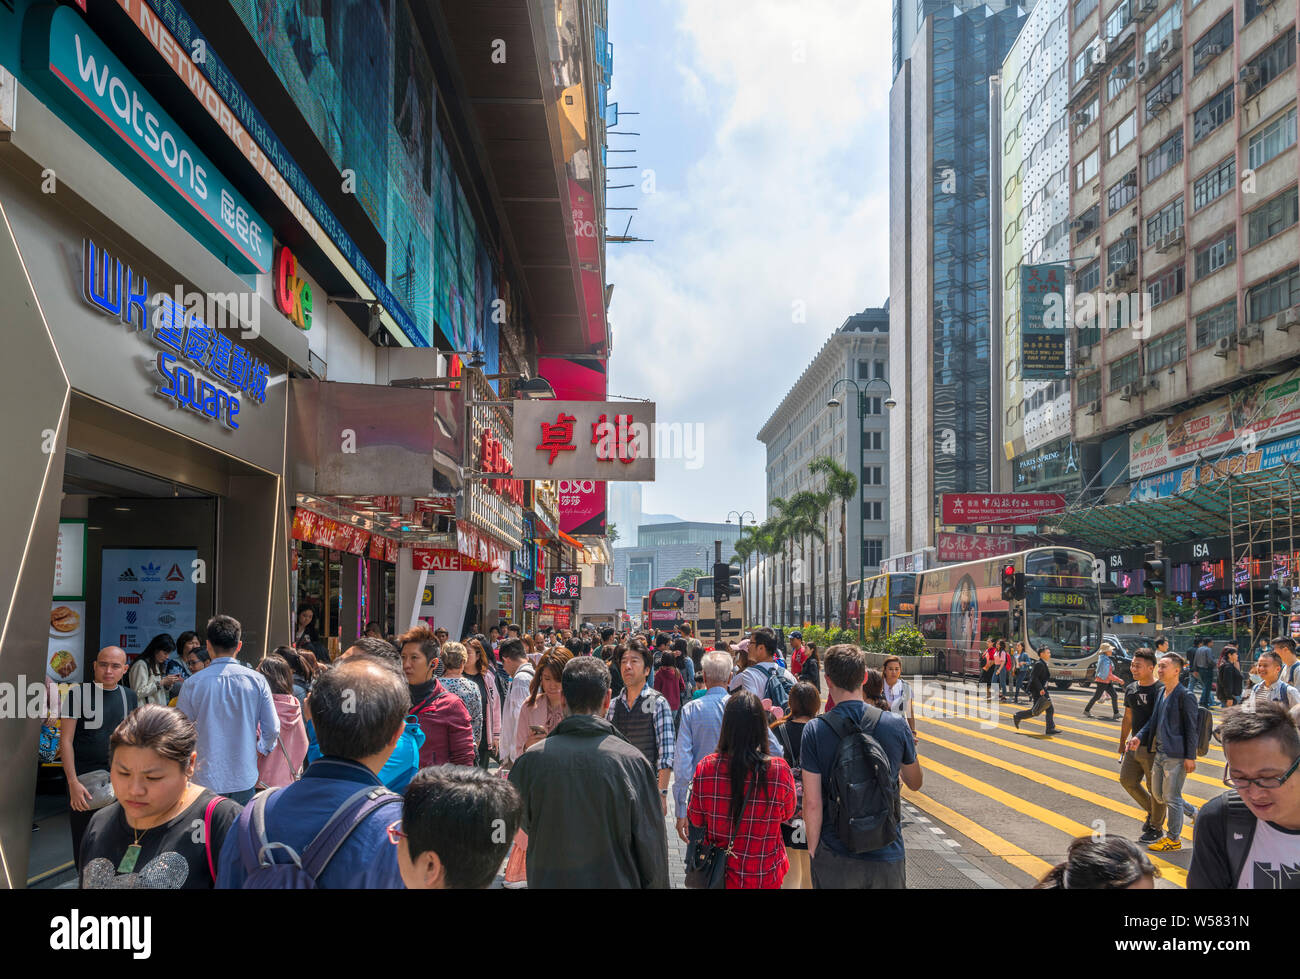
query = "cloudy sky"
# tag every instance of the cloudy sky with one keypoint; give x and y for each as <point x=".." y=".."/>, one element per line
<point x="765" y="123"/>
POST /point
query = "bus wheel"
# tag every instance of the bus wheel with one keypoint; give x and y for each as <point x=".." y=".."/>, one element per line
<point x="1062" y="684"/>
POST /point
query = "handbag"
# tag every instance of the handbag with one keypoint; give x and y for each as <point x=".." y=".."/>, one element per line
<point x="706" y="863"/>
<point x="100" y="786"/>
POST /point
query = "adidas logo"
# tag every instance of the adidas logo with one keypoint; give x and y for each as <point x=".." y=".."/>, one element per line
<point x="127" y="575"/>
<point x="150" y="570"/>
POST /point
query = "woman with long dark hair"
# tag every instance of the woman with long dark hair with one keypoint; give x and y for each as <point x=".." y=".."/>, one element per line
<point x="741" y="795"/>
<point x="805" y="702"/>
<point x="1107" y="864"/>
<point x="873" y="689"/>
<point x="149" y="677"/>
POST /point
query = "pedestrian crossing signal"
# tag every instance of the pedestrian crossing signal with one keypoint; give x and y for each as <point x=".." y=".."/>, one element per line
<point x="1157" y="576"/>
<point x="1013" y="583"/>
<point x="1279" y="598"/>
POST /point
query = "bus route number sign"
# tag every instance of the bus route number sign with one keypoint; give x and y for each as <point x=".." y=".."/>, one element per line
<point x="1062" y="599"/>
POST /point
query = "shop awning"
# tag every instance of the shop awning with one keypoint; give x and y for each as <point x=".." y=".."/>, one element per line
<point x="1214" y="507"/>
<point x="571" y="541"/>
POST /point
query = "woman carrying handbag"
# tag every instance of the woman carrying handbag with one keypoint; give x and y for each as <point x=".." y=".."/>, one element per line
<point x="740" y="796"/>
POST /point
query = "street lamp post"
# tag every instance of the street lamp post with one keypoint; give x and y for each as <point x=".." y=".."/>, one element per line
<point x="740" y="518"/>
<point x="834" y="402"/>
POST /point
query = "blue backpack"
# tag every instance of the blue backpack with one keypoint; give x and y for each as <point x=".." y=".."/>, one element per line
<point x="262" y="872"/>
<point x="402" y="764"/>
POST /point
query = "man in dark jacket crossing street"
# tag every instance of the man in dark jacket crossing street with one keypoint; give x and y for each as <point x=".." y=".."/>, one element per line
<point x="1039" y="674"/>
<point x="591" y="805"/>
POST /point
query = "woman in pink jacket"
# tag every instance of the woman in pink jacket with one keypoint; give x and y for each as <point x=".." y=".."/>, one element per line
<point x="284" y="764"/>
<point x="478" y="671"/>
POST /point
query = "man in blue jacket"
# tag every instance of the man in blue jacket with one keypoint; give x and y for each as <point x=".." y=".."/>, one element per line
<point x="359" y="707"/>
<point x="1172" y="735"/>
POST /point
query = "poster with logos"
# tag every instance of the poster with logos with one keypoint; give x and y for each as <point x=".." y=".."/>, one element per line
<point x="145" y="591"/>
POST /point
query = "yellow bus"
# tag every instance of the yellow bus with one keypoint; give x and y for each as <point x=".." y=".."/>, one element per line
<point x="887" y="600"/>
<point x="732" y="615"/>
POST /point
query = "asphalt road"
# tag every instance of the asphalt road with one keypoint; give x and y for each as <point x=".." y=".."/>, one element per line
<point x="1015" y="799"/>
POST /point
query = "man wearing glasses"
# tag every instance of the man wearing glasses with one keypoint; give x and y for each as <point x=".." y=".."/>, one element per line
<point x="1250" y="837"/>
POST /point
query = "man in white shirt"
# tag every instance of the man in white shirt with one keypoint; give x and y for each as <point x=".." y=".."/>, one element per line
<point x="762" y="652"/>
<point x="515" y="660"/>
<point x="1250" y="838"/>
<point x="1284" y="646"/>
<point x="1272" y="686"/>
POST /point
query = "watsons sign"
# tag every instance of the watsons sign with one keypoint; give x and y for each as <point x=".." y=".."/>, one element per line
<point x="86" y="76"/>
<point x="202" y="369"/>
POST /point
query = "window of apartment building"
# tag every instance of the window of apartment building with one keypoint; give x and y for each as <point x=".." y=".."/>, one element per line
<point x="1163" y="92"/>
<point x="1120" y="254"/>
<point x="873" y="552"/>
<point x="1271" y="218"/>
<point x="872" y="475"/>
<point x="1090" y="387"/>
<point x="1086" y="169"/>
<point x="1214" y="183"/>
<point x="1268" y="142"/>
<point x="1121" y="134"/>
<point x="864" y="370"/>
<point x="1083" y="59"/>
<point x="1217" y="254"/>
<point x="1118" y="19"/>
<point x="1271" y="62"/>
<point x="1253" y="8"/>
<point x="1166" y="350"/>
<point x="1165" y="155"/>
<point x="875" y="510"/>
<point x="1168" y="218"/>
<point x="1118" y="78"/>
<point x="871" y="406"/>
<point x="1161" y="28"/>
<point x="1120" y="193"/>
<point x="1089" y="278"/>
<point x="1214" y="113"/>
<point x="871" y="441"/>
<point x="1090" y="219"/>
<point x="879" y="369"/>
<point x="1278" y="293"/>
<point x="1212" y="43"/>
<point x="1082" y="8"/>
<point x="1088" y="112"/>
<point x="1220" y="321"/>
<point x="1124" y="371"/>
<point x="1167" y="284"/>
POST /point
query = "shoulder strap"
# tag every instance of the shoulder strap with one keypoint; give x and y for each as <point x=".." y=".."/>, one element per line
<point x="784" y="737"/>
<point x="1239" y="830"/>
<point x="252" y="837"/>
<point x="285" y="751"/>
<point x="837" y="723"/>
<point x="347" y="817"/>
<point x="207" y="834"/>
<point x="872" y="714"/>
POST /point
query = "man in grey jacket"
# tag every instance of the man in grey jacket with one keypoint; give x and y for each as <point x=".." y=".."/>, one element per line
<point x="591" y="804"/>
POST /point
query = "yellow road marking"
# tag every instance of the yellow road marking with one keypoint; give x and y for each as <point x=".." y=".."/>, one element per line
<point x="1193" y="777"/>
<point x="1171" y="872"/>
<point x="1129" y="811"/>
<point x="997" y="845"/>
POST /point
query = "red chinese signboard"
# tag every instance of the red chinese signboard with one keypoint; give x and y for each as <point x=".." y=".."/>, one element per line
<point x="1001" y="509"/>
<point x="377" y="547"/>
<point x="390" y="550"/>
<point x="492" y="459"/>
<point x="975" y="547"/>
<point x="490" y="554"/>
<point x="559" y="615"/>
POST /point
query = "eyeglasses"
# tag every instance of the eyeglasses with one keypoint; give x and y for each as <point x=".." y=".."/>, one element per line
<point x="395" y="832"/>
<point x="1272" y="782"/>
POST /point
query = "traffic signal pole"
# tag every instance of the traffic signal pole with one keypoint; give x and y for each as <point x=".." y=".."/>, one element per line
<point x="1160" y="595"/>
<point x="717" y="599"/>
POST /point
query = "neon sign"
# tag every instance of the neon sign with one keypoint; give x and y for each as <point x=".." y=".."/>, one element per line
<point x="292" y="294"/>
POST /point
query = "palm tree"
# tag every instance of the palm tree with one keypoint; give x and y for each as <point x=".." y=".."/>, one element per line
<point x="764" y="535"/>
<point x="744" y="548"/>
<point x="781" y="539"/>
<point x="842" y="484"/>
<point x="824" y="500"/>
<point x="804" y="507"/>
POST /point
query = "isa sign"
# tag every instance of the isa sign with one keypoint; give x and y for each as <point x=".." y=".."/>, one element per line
<point x="82" y="73"/>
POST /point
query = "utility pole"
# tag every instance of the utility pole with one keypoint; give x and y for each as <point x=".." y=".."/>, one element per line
<point x="1160" y="595"/>
<point x="717" y="599"/>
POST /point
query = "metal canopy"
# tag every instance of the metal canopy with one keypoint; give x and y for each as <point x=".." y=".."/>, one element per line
<point x="1203" y="511"/>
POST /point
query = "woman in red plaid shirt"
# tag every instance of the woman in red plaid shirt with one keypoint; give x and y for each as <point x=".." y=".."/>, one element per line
<point x="743" y="778"/>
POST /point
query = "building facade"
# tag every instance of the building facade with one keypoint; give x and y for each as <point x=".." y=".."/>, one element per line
<point x="663" y="551"/>
<point x="855" y="433"/>
<point x="939" y="232"/>
<point x="1184" y="181"/>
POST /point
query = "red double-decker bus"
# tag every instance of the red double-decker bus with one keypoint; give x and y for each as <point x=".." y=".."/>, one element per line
<point x="665" y="607"/>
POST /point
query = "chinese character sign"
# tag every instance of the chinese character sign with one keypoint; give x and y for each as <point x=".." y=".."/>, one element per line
<point x="585" y="440"/>
<point x="1043" y="320"/>
<point x="1002" y="509"/>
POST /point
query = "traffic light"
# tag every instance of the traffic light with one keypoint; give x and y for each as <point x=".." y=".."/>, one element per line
<point x="726" y="581"/>
<point x="1157" y="576"/>
<point x="1013" y="583"/>
<point x="1279" y="598"/>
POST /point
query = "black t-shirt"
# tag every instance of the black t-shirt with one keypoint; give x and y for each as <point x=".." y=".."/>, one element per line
<point x="98" y="712"/>
<point x="172" y="856"/>
<point x="1142" y="701"/>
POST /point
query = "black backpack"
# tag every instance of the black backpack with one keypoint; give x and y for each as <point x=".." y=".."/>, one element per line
<point x="863" y="793"/>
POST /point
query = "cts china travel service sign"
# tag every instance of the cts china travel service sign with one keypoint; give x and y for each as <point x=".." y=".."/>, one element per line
<point x="967" y="509"/>
<point x="225" y="370"/>
<point x="82" y="73"/>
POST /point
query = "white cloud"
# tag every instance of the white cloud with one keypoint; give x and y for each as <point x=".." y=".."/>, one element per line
<point x="788" y="201"/>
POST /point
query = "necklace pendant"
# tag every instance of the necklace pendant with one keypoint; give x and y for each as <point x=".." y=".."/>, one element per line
<point x="129" y="859"/>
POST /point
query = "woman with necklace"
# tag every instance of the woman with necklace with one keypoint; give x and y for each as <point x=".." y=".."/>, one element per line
<point x="147" y="838"/>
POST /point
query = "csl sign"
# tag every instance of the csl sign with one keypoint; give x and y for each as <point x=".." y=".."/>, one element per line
<point x="292" y="294"/>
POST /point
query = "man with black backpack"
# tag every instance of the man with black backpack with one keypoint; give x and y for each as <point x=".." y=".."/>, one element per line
<point x="329" y="829"/>
<point x="852" y="758"/>
<point x="1249" y="838"/>
<point x="1173" y="734"/>
<point x="764" y="677"/>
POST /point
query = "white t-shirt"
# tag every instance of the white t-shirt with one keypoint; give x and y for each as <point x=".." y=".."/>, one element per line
<point x="1274" y="860"/>
<point x="899" y="697"/>
<point x="754" y="678"/>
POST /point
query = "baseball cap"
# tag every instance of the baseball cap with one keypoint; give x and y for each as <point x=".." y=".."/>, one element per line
<point x="796" y="635"/>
